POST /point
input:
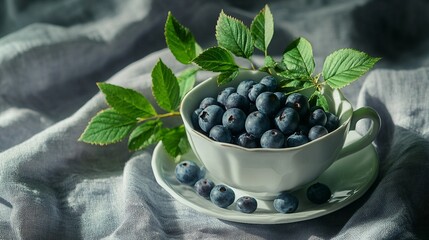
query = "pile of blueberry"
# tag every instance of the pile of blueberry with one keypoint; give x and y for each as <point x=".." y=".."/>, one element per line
<point x="256" y="115"/>
<point x="189" y="173"/>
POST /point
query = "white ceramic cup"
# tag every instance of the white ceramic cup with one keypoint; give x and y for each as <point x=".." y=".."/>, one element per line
<point x="264" y="173"/>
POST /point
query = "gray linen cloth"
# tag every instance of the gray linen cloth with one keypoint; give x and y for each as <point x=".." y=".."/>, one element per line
<point x="53" y="52"/>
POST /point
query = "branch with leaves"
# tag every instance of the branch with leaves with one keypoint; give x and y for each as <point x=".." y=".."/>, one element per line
<point x="131" y="114"/>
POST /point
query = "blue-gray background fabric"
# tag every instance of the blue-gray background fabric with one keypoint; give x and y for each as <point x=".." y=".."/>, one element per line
<point x="52" y="52"/>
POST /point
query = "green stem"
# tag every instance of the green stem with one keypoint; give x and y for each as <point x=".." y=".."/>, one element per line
<point x="164" y="115"/>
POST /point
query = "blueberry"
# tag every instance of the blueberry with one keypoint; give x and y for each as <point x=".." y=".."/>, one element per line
<point x="220" y="133"/>
<point x="317" y="117"/>
<point x="318" y="193"/>
<point x="298" y="102"/>
<point x="207" y="102"/>
<point x="268" y="103"/>
<point x="246" y="204"/>
<point x="244" y="87"/>
<point x="234" y="119"/>
<point x="236" y="100"/>
<point x="270" y="82"/>
<point x="209" y="117"/>
<point x="296" y="139"/>
<point x="257" y="123"/>
<point x="332" y="122"/>
<point x="203" y="187"/>
<point x="303" y="128"/>
<point x="247" y="140"/>
<point x="272" y="138"/>
<point x="194" y="118"/>
<point x="317" y="132"/>
<point x="256" y="90"/>
<point x="187" y="172"/>
<point x="287" y="120"/>
<point x="286" y="203"/>
<point x="282" y="98"/>
<point x="222" y="196"/>
<point x="224" y="94"/>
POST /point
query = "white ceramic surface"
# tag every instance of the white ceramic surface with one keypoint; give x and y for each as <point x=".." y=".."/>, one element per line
<point x="264" y="173"/>
<point x="348" y="178"/>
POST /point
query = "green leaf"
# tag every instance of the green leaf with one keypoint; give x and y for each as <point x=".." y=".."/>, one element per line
<point x="318" y="99"/>
<point x="108" y="126"/>
<point x="298" y="57"/>
<point x="216" y="59"/>
<point x="262" y="29"/>
<point x="165" y="87"/>
<point x="127" y="101"/>
<point x="145" y="134"/>
<point x="293" y="75"/>
<point x="346" y="65"/>
<point x="226" y="77"/>
<point x="180" y="40"/>
<point x="270" y="62"/>
<point x="186" y="80"/>
<point x="175" y="141"/>
<point x="234" y="36"/>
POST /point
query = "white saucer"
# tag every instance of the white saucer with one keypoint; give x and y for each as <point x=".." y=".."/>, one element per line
<point x="348" y="178"/>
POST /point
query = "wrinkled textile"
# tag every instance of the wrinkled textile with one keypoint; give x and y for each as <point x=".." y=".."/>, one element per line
<point x="53" y="52"/>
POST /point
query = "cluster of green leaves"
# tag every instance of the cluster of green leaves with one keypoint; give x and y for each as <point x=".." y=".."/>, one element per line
<point x="130" y="113"/>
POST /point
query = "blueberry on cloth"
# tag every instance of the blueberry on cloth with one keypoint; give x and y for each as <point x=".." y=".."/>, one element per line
<point x="246" y="204"/>
<point x="187" y="172"/>
<point x="222" y="196"/>
<point x="203" y="187"/>
<point x="318" y="193"/>
<point x="286" y="203"/>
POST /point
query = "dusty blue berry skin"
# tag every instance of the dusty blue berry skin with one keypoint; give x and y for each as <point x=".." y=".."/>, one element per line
<point x="298" y="102"/>
<point x="234" y="119"/>
<point x="272" y="138"/>
<point x="287" y="120"/>
<point x="332" y="122"/>
<point x="209" y="117"/>
<point x="268" y="103"/>
<point x="317" y="117"/>
<point x="270" y="82"/>
<point x="203" y="187"/>
<point x="257" y="123"/>
<point x="296" y="140"/>
<point x="224" y="94"/>
<point x="188" y="172"/>
<point x="194" y="118"/>
<point x="244" y="87"/>
<point x="246" y="204"/>
<point x="282" y="98"/>
<point x="247" y="140"/>
<point x="255" y="90"/>
<point x="317" y="132"/>
<point x="318" y="193"/>
<point x="236" y="100"/>
<point x="222" y="196"/>
<point x="286" y="203"/>
<point x="221" y="134"/>
<point x="207" y="102"/>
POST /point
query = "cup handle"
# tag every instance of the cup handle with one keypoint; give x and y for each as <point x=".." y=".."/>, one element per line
<point x="369" y="136"/>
